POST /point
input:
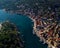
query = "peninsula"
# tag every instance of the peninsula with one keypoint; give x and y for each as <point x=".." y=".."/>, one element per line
<point x="9" y="36"/>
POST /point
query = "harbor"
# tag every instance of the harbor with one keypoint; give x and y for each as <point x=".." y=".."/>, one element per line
<point x="24" y="25"/>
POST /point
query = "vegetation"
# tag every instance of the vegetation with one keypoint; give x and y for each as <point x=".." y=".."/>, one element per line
<point x="47" y="9"/>
<point x="36" y="7"/>
<point x="33" y="4"/>
<point x="9" y="36"/>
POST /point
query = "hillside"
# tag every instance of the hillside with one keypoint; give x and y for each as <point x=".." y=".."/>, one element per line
<point x="9" y="36"/>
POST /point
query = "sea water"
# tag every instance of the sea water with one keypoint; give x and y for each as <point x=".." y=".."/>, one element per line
<point x="24" y="25"/>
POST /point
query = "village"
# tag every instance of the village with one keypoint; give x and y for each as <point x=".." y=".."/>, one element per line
<point x="46" y="22"/>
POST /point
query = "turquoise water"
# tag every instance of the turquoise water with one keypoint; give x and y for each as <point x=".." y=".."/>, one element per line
<point x="24" y="25"/>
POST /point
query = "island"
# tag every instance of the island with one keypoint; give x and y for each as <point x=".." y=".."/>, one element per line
<point x="10" y="37"/>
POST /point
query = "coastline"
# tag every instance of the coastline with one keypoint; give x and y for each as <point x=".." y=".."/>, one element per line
<point x="35" y="31"/>
<point x="0" y="26"/>
<point x="34" y="24"/>
<point x="9" y="34"/>
<point x="47" y="27"/>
